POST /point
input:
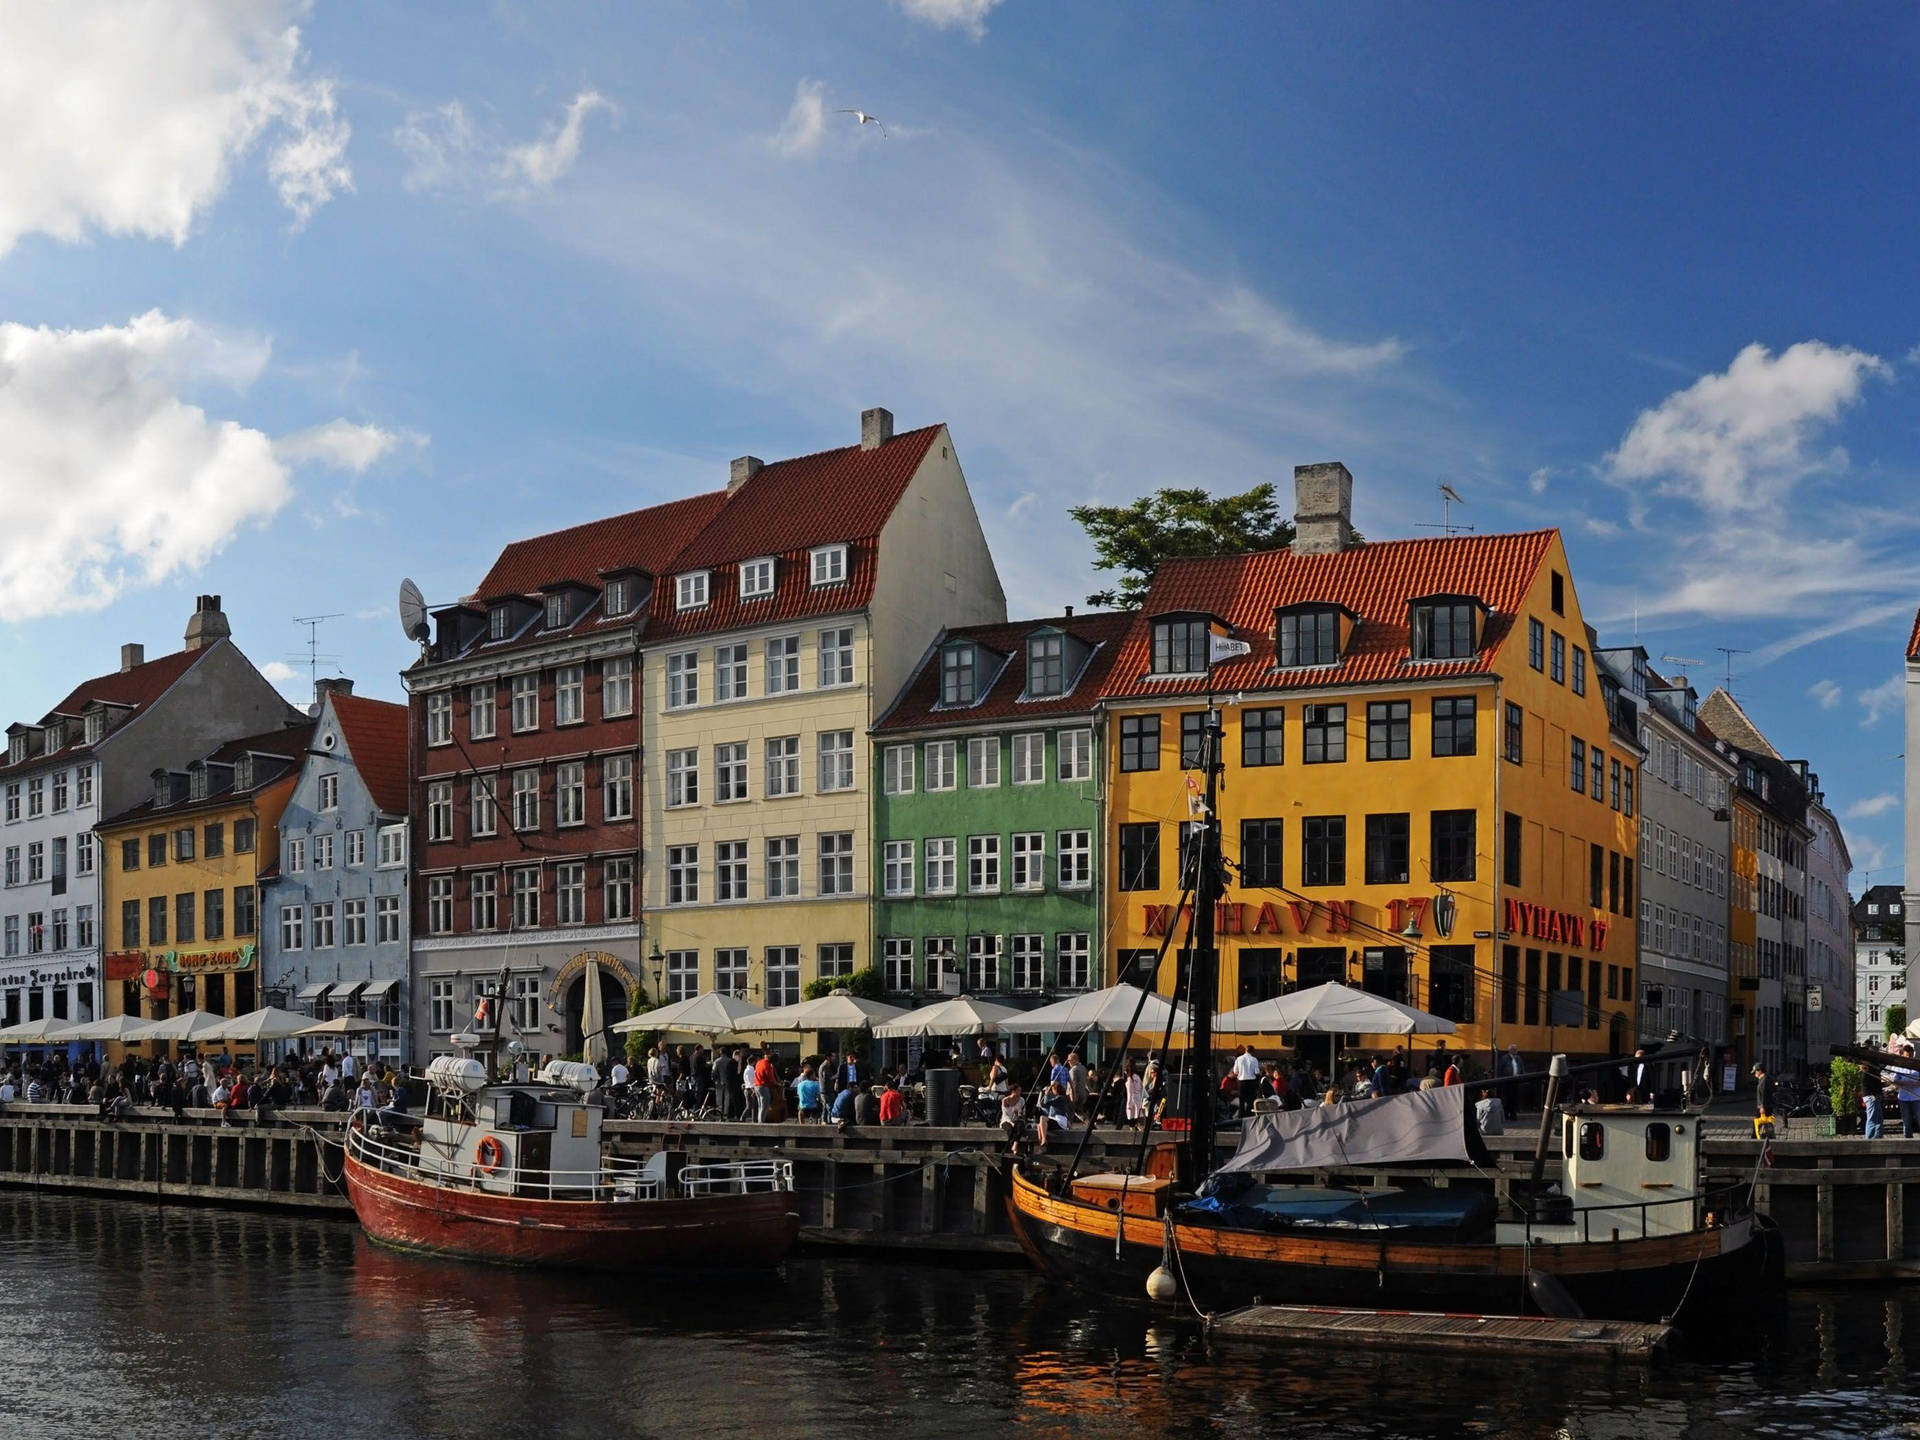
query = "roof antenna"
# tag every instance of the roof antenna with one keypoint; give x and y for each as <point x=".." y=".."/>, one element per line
<point x="1449" y="497"/>
<point x="1684" y="663"/>
<point x="314" y="657"/>
<point x="1729" y="651"/>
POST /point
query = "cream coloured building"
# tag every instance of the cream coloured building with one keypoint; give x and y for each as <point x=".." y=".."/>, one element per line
<point x="786" y="626"/>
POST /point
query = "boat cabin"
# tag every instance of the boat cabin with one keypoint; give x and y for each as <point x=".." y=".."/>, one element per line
<point x="1628" y="1171"/>
<point x="540" y="1138"/>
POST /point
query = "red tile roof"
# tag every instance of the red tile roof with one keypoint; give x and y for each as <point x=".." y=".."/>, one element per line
<point x="918" y="705"/>
<point x="136" y="688"/>
<point x="376" y="735"/>
<point x="1374" y="581"/>
<point x="642" y="539"/>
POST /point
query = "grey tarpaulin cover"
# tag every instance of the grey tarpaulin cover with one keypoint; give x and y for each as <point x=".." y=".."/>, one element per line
<point x="1420" y="1125"/>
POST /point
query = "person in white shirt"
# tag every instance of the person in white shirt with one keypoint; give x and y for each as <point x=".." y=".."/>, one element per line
<point x="346" y="1067"/>
<point x="329" y="1072"/>
<point x="6" y="1090"/>
<point x="1246" y="1073"/>
<point x="620" y="1073"/>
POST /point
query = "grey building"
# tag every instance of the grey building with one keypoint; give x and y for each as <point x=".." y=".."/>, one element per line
<point x="1830" y="986"/>
<point x="1879" y="961"/>
<point x="342" y="873"/>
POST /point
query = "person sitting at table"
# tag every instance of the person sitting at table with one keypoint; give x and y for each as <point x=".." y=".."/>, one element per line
<point x="866" y="1106"/>
<point x="893" y="1105"/>
<point x="806" y="1091"/>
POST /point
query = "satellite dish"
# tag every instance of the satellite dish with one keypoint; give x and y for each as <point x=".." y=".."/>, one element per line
<point x="413" y="612"/>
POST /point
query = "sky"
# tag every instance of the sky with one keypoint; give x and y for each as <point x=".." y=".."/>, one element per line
<point x="299" y="299"/>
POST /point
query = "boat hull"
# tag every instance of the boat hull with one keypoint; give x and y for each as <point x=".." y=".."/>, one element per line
<point x="721" y="1232"/>
<point x="1651" y="1279"/>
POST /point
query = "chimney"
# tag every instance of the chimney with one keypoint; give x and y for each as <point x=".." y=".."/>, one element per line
<point x="132" y="655"/>
<point x="744" y="469"/>
<point x="876" y="428"/>
<point x="1069" y="612"/>
<point x="209" y="623"/>
<point x="1322" y="509"/>
<point x="329" y="685"/>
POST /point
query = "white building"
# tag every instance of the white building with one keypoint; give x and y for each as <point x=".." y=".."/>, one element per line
<point x="92" y="755"/>
<point x="1879" y="960"/>
<point x="1830" y="984"/>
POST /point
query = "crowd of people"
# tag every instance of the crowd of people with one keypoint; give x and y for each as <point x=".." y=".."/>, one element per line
<point x="323" y="1079"/>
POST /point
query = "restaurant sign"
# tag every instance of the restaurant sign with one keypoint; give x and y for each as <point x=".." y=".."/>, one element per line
<point x="1556" y="927"/>
<point x="201" y="962"/>
<point x="32" y="977"/>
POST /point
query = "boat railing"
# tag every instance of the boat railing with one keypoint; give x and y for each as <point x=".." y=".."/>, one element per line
<point x="1722" y="1204"/>
<point x="616" y="1178"/>
<point x="736" y="1177"/>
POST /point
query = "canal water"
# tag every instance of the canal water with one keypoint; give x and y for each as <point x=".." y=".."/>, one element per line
<point x="118" y="1319"/>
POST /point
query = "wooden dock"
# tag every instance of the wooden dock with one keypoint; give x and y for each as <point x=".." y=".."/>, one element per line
<point x="1421" y="1330"/>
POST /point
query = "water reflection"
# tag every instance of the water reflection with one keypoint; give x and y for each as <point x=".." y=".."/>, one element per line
<point x="122" y="1319"/>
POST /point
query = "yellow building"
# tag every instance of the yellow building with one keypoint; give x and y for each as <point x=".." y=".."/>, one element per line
<point x="1429" y="786"/>
<point x="181" y="874"/>
<point x="786" y="625"/>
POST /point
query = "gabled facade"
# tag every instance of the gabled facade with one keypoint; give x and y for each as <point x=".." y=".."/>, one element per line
<point x="1880" y="961"/>
<point x="337" y="938"/>
<point x="183" y="872"/>
<point x="1429" y="789"/>
<point x="988" y="813"/>
<point x="93" y="755"/>
<point x="1830" y="984"/>
<point x="783" y="630"/>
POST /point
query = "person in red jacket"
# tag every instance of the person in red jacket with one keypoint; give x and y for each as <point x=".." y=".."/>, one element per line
<point x="893" y="1105"/>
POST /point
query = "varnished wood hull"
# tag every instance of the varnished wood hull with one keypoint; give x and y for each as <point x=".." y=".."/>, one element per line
<point x="1650" y="1279"/>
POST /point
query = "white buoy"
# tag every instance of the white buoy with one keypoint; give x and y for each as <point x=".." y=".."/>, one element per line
<point x="1162" y="1286"/>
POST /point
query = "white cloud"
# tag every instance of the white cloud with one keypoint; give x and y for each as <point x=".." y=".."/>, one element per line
<point x="439" y="142"/>
<point x="1871" y="806"/>
<point x="277" y="671"/>
<point x="1827" y="692"/>
<point x="541" y="162"/>
<point x="1882" y="698"/>
<point x="128" y="119"/>
<point x="1537" y="481"/>
<point x="113" y="479"/>
<point x="967" y="15"/>
<point x="806" y="121"/>
<point x="342" y="445"/>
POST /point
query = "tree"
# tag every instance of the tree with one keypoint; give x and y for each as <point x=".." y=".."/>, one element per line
<point x="1134" y="539"/>
<point x="867" y="984"/>
<point x="1896" y="1019"/>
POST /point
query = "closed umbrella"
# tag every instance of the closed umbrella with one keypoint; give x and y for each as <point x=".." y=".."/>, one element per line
<point x="593" y="1022"/>
<point x="714" y="1013"/>
<point x="1110" y="1011"/>
<point x="268" y="1023"/>
<point x="962" y="1016"/>
<point x="838" y="1011"/>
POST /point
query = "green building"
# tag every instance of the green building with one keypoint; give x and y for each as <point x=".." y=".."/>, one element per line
<point x="988" y="814"/>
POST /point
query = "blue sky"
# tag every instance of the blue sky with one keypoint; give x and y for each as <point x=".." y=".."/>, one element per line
<point x="299" y="299"/>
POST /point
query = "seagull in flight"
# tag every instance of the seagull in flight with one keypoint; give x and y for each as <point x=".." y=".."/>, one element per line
<point x="863" y="118"/>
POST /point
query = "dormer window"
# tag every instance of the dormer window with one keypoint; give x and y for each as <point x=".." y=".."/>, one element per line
<point x="1047" y="664"/>
<point x="690" y="591"/>
<point x="556" y="611"/>
<point x="162" y="788"/>
<point x="829" y="564"/>
<point x="243" y="773"/>
<point x="497" y="623"/>
<point x="1308" y="635"/>
<point x="1180" y="646"/>
<point x="1443" y="628"/>
<point x="756" y="578"/>
<point x="16" y="749"/>
<point x="616" y="597"/>
<point x="197" y="783"/>
<point x="959" y="674"/>
<point x="96" y="727"/>
<point x="54" y="737"/>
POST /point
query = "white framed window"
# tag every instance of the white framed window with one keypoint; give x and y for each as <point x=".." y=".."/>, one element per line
<point x="440" y="1006"/>
<point x="896" y="769"/>
<point x="616" y="686"/>
<point x="1073" y="960"/>
<point x="828" y="564"/>
<point x="293" y="927"/>
<point x="941" y="960"/>
<point x="439" y="904"/>
<point x="730" y="972"/>
<point x="836" y="760"/>
<point x="526" y="703"/>
<point x="616" y="787"/>
<point x="683" y="778"/>
<point x="1029" y="855"/>
<point x="756" y="578"/>
<point x="683" y="680"/>
<point x="783" y="765"/>
<point x="1029" y="955"/>
<point x="83" y="786"/>
<point x="83" y="926"/>
<point x="730" y="870"/>
<point x="483" y="805"/>
<point x="783" y="664"/>
<point x="730" y="772"/>
<point x="353" y="922"/>
<point x="524" y="1002"/>
<point x="897" y="871"/>
<point x="526" y="898"/>
<point x="13" y="864"/>
<point x="570" y="793"/>
<point x="440" y="717"/>
<point x="730" y="672"/>
<point x="393" y="846"/>
<point x="983" y="962"/>
<point x="1030" y="758"/>
<point x="323" y="852"/>
<point x="556" y="610"/>
<point x="570" y="695"/>
<point x="13" y="801"/>
<point x="783" y="867"/>
<point x="616" y="889"/>
<point x="940" y="765"/>
<point x="683" y="974"/>
<point x="480" y="711"/>
<point x="570" y="892"/>
<point x="297" y="844"/>
<point x="690" y="591"/>
<point x="783" y="975"/>
<point x="60" y="792"/>
<point x="36" y="861"/>
<point x="836" y="863"/>
<point x="323" y="925"/>
<point x="1075" y="865"/>
<point x="983" y="762"/>
<point x="941" y="866"/>
<point x="983" y="864"/>
<point x="36" y="795"/>
<point x="356" y="849"/>
<point x="526" y="801"/>
<point x="497" y="621"/>
<point x="836" y="656"/>
<point x="614" y="598"/>
<point x="83" y="853"/>
<point x="896" y="964"/>
<point x="483" y="891"/>
<point x="1074" y="755"/>
<point x="836" y="959"/>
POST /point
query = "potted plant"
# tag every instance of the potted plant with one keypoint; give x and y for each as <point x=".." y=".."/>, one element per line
<point x="1844" y="1089"/>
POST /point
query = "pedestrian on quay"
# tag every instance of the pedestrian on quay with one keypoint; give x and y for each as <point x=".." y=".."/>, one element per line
<point x="1762" y="1092"/>
<point x="749" y="1085"/>
<point x="765" y="1078"/>
<point x="1078" y="1091"/>
<point x="1874" y="1125"/>
<point x="806" y="1095"/>
<point x="1906" y="1090"/>
<point x="1136" y="1098"/>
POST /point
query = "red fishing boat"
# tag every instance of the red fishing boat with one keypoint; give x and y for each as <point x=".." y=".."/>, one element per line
<point x="513" y="1173"/>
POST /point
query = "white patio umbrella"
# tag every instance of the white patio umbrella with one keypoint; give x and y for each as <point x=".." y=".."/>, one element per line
<point x="1110" y="1011"/>
<point x="187" y="1025"/>
<point x="36" y="1032"/>
<point x="838" y="1011"/>
<point x="593" y="1020"/>
<point x="342" y="1025"/>
<point x="267" y="1023"/>
<point x="714" y="1013"/>
<point x="962" y="1016"/>
<point x="1333" y="1010"/>
<point x="123" y="1028"/>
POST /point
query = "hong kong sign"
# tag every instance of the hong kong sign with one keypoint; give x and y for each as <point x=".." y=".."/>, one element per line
<point x="1556" y="927"/>
<point x="197" y="962"/>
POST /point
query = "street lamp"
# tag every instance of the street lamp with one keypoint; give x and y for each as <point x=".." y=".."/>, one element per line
<point x="657" y="961"/>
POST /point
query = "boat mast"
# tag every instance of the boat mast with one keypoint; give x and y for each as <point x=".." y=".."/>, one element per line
<point x="1203" y="967"/>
